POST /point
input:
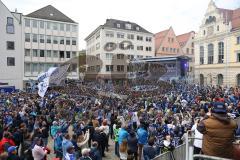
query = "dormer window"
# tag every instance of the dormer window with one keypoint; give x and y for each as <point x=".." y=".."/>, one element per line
<point x="128" y="26"/>
<point x="137" y="28"/>
<point x="118" y="25"/>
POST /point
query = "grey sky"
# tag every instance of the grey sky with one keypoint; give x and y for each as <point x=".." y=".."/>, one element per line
<point x="153" y="15"/>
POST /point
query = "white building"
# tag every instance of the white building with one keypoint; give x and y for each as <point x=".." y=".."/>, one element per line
<point x="50" y="38"/>
<point x="11" y="65"/>
<point x="114" y="44"/>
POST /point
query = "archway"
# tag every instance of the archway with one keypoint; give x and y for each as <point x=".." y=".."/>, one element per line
<point x="219" y="79"/>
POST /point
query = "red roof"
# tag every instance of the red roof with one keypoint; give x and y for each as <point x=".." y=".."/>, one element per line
<point x="159" y="38"/>
<point x="183" y="38"/>
<point x="232" y="16"/>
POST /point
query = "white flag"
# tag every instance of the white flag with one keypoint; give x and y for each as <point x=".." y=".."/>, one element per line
<point x="58" y="75"/>
<point x="42" y="87"/>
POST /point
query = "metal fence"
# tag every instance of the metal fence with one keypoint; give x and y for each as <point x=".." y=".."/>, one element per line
<point x="179" y="153"/>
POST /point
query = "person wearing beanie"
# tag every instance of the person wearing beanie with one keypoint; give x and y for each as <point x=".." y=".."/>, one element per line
<point x="218" y="132"/>
<point x="12" y="153"/>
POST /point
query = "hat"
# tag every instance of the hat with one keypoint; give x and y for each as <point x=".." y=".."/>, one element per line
<point x="11" y="149"/>
<point x="219" y="107"/>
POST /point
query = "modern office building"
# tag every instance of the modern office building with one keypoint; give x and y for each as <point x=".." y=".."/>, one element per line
<point x="217" y="47"/>
<point x="11" y="58"/>
<point x="50" y="38"/>
<point x="112" y="45"/>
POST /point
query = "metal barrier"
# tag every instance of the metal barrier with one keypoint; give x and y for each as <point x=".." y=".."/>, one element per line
<point x="179" y="153"/>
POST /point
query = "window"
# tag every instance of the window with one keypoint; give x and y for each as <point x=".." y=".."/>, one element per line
<point x="120" y="56"/>
<point x="41" y="38"/>
<point x="41" y="67"/>
<point x="120" y="35"/>
<point x="49" y="53"/>
<point x="49" y="39"/>
<point x="140" y="38"/>
<point x="27" y="22"/>
<point x="130" y="57"/>
<point x="201" y="55"/>
<point x="10" y="61"/>
<point x="170" y="49"/>
<point x="34" y="23"/>
<point x="98" y="68"/>
<point x="10" y="45"/>
<point x="68" y="27"/>
<point x="220" y="79"/>
<point x="35" y="38"/>
<point x="61" y="39"/>
<point x="55" y="26"/>
<point x="131" y="47"/>
<point x="192" y="51"/>
<point x="48" y="25"/>
<point x="238" y="57"/>
<point x="61" y="27"/>
<point x="97" y="46"/>
<point x="97" y="56"/>
<point x="148" y="48"/>
<point x="217" y="28"/>
<point x="10" y="25"/>
<point x="68" y="42"/>
<point x="41" y="23"/>
<point x="109" y="68"/>
<point x="137" y="28"/>
<point x="118" y="25"/>
<point x="42" y="53"/>
<point x="210" y="53"/>
<point x="220" y="52"/>
<point x="55" y="40"/>
<point x="109" y="55"/>
<point x="187" y="50"/>
<point x="140" y="48"/>
<point x="174" y="50"/>
<point x="130" y="36"/>
<point x="74" y="54"/>
<point x="68" y="54"/>
<point x="192" y="44"/>
<point x="120" y="68"/>
<point x="128" y="26"/>
<point x="204" y="32"/>
<point x="148" y="39"/>
<point x="27" y="67"/>
<point x="74" y="41"/>
<point x="109" y="34"/>
<point x="61" y="54"/>
<point x="55" y="54"/>
<point x="163" y="48"/>
<point x="166" y="49"/>
<point x="238" y="40"/>
<point x="35" y="53"/>
<point x="74" y="28"/>
<point x="27" y="53"/>
<point x="35" y="67"/>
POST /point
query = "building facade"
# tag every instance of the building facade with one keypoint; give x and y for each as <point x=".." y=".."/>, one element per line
<point x="111" y="46"/>
<point x="186" y="42"/>
<point x="10" y="47"/>
<point x="50" y="39"/>
<point x="217" y="58"/>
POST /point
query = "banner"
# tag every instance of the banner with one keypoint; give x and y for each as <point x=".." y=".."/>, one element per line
<point x="54" y="75"/>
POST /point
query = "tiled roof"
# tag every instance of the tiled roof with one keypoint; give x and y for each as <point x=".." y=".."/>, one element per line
<point x="112" y="23"/>
<point x="50" y="13"/>
<point x="183" y="38"/>
<point x="232" y="16"/>
<point x="236" y="19"/>
<point x="159" y="38"/>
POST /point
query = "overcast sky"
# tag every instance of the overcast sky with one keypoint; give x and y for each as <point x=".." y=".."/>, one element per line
<point x="153" y="15"/>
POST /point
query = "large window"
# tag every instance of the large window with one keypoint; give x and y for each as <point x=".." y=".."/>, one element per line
<point x="210" y="53"/>
<point x="27" y="37"/>
<point x="10" y="45"/>
<point x="109" y="68"/>
<point x="10" y="25"/>
<point x="140" y="38"/>
<point x="201" y="55"/>
<point x="35" y="67"/>
<point x="34" y="23"/>
<point x="120" y="56"/>
<point x="27" y="53"/>
<point x="27" y="67"/>
<point x="55" y="54"/>
<point x="41" y="23"/>
<point x="61" y="27"/>
<point x="68" y="27"/>
<point x="68" y="54"/>
<point x="120" y="35"/>
<point x="35" y="53"/>
<point x="48" y="25"/>
<point x="130" y="36"/>
<point x="140" y="48"/>
<point x="68" y="41"/>
<point x="42" y="53"/>
<point x="74" y="41"/>
<point x="74" y="28"/>
<point x="220" y="52"/>
<point x="109" y="55"/>
<point x="109" y="34"/>
<point x="219" y="79"/>
<point x="238" y="57"/>
<point x="35" y="38"/>
<point x="120" y="68"/>
<point x="10" y="61"/>
<point x="55" y="26"/>
<point x="49" y="53"/>
<point x="61" y="40"/>
<point x="55" y="40"/>
<point x="41" y="38"/>
<point x="49" y="39"/>
<point x="27" y="22"/>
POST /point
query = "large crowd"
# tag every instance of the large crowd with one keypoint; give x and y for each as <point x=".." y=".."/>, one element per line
<point x="81" y="123"/>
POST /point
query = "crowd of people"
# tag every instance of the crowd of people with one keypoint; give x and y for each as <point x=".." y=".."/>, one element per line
<point x="81" y="123"/>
